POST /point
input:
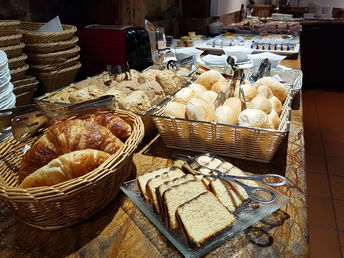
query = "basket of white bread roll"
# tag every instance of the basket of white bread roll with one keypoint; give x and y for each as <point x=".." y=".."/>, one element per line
<point x="251" y="130"/>
<point x="71" y="170"/>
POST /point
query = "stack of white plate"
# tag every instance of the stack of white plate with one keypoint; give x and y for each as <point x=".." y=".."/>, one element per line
<point x="7" y="97"/>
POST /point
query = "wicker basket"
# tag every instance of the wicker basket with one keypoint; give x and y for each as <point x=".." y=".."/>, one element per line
<point x="27" y="80"/>
<point x="54" y="80"/>
<point x="9" y="40"/>
<point x="54" y="66"/>
<point x="17" y="61"/>
<point x="31" y="36"/>
<point x="13" y="50"/>
<point x="19" y="73"/>
<point x="8" y="27"/>
<point x="227" y="140"/>
<point x="67" y="203"/>
<point x="52" y="46"/>
<point x="54" y="57"/>
<point x="24" y="88"/>
<point x="25" y="97"/>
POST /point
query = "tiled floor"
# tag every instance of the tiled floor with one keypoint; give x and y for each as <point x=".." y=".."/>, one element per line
<point x="324" y="143"/>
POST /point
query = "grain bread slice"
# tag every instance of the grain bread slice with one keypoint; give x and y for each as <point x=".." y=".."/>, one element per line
<point x="143" y="179"/>
<point x="153" y="183"/>
<point x="163" y="187"/>
<point x="177" y="195"/>
<point x="202" y="217"/>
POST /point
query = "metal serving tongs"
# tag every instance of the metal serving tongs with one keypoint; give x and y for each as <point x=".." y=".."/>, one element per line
<point x="173" y="64"/>
<point x="264" y="69"/>
<point x="27" y="120"/>
<point x="250" y="190"/>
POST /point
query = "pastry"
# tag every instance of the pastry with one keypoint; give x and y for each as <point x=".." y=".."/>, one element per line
<point x="153" y="90"/>
<point x="260" y="102"/>
<point x="184" y="95"/>
<point x="136" y="102"/>
<point x="175" y="109"/>
<point x="208" y="78"/>
<point x="255" y="118"/>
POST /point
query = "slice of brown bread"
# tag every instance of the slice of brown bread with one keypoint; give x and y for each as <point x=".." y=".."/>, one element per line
<point x="163" y="187"/>
<point x="153" y="183"/>
<point x="143" y="179"/>
<point x="202" y="217"/>
<point x="177" y="195"/>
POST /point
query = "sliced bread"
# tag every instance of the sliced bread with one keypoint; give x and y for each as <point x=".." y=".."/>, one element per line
<point x="202" y="217"/>
<point x="153" y="183"/>
<point x="177" y="195"/>
<point x="143" y="179"/>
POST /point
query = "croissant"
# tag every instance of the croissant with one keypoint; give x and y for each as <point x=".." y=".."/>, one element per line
<point x="65" y="137"/>
<point x="65" y="167"/>
<point x="114" y="123"/>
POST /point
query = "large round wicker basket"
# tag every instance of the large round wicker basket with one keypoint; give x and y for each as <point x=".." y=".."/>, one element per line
<point x="31" y="36"/>
<point x="53" y="57"/>
<point x="52" y="46"/>
<point x="8" y="27"/>
<point x="67" y="203"/>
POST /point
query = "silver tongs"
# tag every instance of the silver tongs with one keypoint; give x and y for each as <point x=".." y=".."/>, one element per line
<point x="25" y="121"/>
<point x="250" y="190"/>
<point x="264" y="69"/>
<point x="173" y="64"/>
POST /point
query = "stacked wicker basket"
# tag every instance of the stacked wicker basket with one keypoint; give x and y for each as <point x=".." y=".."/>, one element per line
<point x="53" y="56"/>
<point x="11" y="43"/>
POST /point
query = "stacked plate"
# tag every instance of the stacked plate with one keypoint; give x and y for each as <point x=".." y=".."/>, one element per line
<point x="53" y="56"/>
<point x="7" y="97"/>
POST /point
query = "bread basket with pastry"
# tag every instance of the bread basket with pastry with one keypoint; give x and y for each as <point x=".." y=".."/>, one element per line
<point x="134" y="91"/>
<point x="248" y="126"/>
<point x="74" y="166"/>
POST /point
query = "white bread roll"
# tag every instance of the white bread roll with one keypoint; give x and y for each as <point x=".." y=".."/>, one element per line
<point x="260" y="102"/>
<point x="221" y="85"/>
<point x="175" y="109"/>
<point x="274" y="118"/>
<point x="255" y="118"/>
<point x="209" y="96"/>
<point x="276" y="87"/>
<point x="264" y="91"/>
<point x="184" y="95"/>
<point x="208" y="78"/>
<point x="197" y="88"/>
<point x="226" y="115"/>
<point x="276" y="104"/>
<point x="249" y="91"/>
<point x="198" y="109"/>
<point x="234" y="103"/>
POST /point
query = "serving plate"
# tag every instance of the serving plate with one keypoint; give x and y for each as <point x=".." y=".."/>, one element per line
<point x="248" y="214"/>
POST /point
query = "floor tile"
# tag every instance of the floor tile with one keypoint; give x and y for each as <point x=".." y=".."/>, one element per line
<point x="313" y="142"/>
<point x="320" y="212"/>
<point x="317" y="185"/>
<point x="315" y="163"/>
<point x="332" y="134"/>
<point x="341" y="238"/>
<point x="339" y="208"/>
<point x="337" y="186"/>
<point x="330" y="117"/>
<point x="333" y="149"/>
<point x="335" y="166"/>
<point x="327" y="98"/>
<point x="323" y="243"/>
<point x="310" y="117"/>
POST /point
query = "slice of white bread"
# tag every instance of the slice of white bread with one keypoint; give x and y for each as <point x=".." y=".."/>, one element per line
<point x="153" y="183"/>
<point x="163" y="187"/>
<point x="177" y="195"/>
<point x="202" y="217"/>
<point x="143" y="179"/>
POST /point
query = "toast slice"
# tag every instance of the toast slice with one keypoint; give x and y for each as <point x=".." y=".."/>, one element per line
<point x="202" y="217"/>
<point x="153" y="183"/>
<point x="177" y="195"/>
<point x="163" y="187"/>
<point x="143" y="179"/>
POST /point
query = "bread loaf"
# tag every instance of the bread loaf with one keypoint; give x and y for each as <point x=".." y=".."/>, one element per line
<point x="177" y="195"/>
<point x="226" y="115"/>
<point x="209" y="96"/>
<point x="137" y="102"/>
<point x="276" y="87"/>
<point x="208" y="78"/>
<point x="184" y="95"/>
<point x="168" y="81"/>
<point x="113" y="122"/>
<point x="274" y="118"/>
<point x="175" y="109"/>
<point x="260" y="102"/>
<point x="91" y="92"/>
<point x="221" y="85"/>
<point x="198" y="109"/>
<point x="255" y="118"/>
<point x="118" y="94"/>
<point x="249" y="91"/>
<point x="143" y="179"/>
<point x="198" y="89"/>
<point x="155" y="182"/>
<point x="128" y="86"/>
<point x="276" y="104"/>
<point x="65" y="167"/>
<point x="153" y="90"/>
<point x="202" y="217"/>
<point x="65" y="137"/>
<point x="234" y="103"/>
<point x="264" y="91"/>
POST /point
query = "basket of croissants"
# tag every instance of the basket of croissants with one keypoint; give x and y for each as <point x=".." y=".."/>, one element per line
<point x="72" y="170"/>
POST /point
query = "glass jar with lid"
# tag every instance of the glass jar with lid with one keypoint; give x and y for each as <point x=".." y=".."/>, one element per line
<point x="160" y="38"/>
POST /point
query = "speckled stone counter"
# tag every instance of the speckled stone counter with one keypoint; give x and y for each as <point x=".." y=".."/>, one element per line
<point x="121" y="230"/>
